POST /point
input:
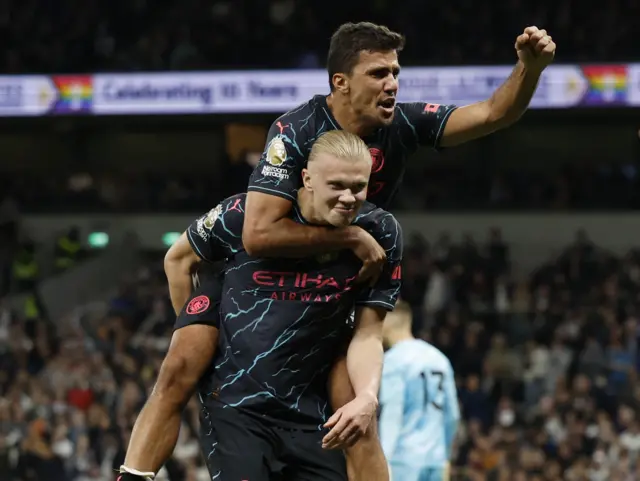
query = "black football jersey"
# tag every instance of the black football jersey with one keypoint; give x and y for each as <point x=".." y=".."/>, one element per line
<point x="291" y="137"/>
<point x="283" y="322"/>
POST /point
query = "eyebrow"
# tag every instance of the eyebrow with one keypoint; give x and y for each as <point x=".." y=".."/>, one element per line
<point x="338" y="180"/>
<point x="395" y="68"/>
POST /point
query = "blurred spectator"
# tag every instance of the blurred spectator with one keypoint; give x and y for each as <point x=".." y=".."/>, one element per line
<point x="554" y="398"/>
<point x="592" y="361"/>
<point x="474" y="401"/>
<point x="95" y="192"/>
<point x="503" y="366"/>
<point x="145" y="35"/>
<point x="68" y="250"/>
<point x="9" y="225"/>
<point x="26" y="270"/>
<point x="539" y="360"/>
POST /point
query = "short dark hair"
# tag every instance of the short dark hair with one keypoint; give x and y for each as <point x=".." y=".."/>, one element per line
<point x="352" y="38"/>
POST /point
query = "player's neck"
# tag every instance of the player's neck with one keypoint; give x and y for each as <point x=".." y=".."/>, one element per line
<point x="307" y="211"/>
<point x="398" y="337"/>
<point x="346" y="117"/>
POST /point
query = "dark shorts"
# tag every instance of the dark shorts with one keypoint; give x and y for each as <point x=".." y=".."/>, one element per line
<point x="203" y="307"/>
<point x="238" y="446"/>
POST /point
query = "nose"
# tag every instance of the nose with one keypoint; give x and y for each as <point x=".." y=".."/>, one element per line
<point x="347" y="198"/>
<point x="391" y="85"/>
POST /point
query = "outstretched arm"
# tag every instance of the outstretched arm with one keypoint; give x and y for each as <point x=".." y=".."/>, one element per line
<point x="535" y="52"/>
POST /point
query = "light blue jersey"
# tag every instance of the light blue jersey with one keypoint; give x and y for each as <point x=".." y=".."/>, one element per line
<point x="419" y="408"/>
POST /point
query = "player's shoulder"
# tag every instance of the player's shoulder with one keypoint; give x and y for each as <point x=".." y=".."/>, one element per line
<point x="291" y="136"/>
<point x="380" y="223"/>
<point x="299" y="118"/>
<point x="435" y="356"/>
<point x="422" y="108"/>
<point x="234" y="201"/>
<point x="408" y="113"/>
<point x="228" y="210"/>
<point x="371" y="215"/>
<point x="403" y="111"/>
<point x="220" y="226"/>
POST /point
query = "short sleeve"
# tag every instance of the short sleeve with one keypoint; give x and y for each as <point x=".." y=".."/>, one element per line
<point x="423" y="123"/>
<point x="217" y="234"/>
<point x="279" y="171"/>
<point x="203" y="307"/>
<point x="386" y="291"/>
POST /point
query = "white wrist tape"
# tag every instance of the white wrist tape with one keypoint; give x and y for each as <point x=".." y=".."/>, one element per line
<point x="148" y="476"/>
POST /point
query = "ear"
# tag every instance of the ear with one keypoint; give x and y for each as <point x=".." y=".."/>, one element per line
<point x="306" y="179"/>
<point x="340" y="83"/>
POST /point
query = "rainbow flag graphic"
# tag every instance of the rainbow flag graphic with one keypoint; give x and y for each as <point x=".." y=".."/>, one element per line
<point x="75" y="93"/>
<point x="607" y="84"/>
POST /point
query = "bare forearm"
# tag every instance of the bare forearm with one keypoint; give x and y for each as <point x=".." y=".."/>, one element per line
<point x="511" y="99"/>
<point x="287" y="238"/>
<point x="180" y="286"/>
<point x="364" y="364"/>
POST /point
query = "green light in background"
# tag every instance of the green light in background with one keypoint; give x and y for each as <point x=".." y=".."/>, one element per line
<point x="169" y="238"/>
<point x="98" y="240"/>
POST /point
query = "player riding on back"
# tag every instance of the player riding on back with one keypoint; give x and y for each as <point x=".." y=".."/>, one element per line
<point x="363" y="69"/>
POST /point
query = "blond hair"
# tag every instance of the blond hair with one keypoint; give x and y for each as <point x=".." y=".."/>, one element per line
<point x="340" y="144"/>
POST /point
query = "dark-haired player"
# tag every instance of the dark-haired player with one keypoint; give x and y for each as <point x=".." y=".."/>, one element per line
<point x="363" y="76"/>
<point x="363" y="69"/>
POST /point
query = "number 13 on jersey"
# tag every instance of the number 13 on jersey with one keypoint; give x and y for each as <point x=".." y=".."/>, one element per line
<point x="433" y="383"/>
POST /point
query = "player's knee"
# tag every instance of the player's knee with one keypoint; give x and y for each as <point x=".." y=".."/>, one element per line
<point x="175" y="380"/>
<point x="372" y="431"/>
<point x="368" y="446"/>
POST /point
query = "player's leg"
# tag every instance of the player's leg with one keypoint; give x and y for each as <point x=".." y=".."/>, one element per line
<point x="234" y="446"/>
<point x="365" y="460"/>
<point x="190" y="353"/>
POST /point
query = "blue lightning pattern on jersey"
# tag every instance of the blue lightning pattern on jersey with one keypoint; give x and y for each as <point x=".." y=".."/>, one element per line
<point x="283" y="320"/>
<point x="414" y="124"/>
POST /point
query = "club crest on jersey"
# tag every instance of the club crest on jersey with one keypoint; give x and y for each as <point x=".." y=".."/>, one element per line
<point x="377" y="159"/>
<point x="276" y="153"/>
<point x="198" y="305"/>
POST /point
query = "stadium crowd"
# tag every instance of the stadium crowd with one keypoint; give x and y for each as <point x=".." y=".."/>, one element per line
<point x="437" y="187"/>
<point x="90" y="35"/>
<point x="546" y="368"/>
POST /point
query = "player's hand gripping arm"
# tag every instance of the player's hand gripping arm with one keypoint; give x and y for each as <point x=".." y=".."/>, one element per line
<point x="364" y="364"/>
<point x="273" y="187"/>
<point x="180" y="263"/>
<point x="269" y="232"/>
<point x="365" y="353"/>
<point x="536" y="51"/>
